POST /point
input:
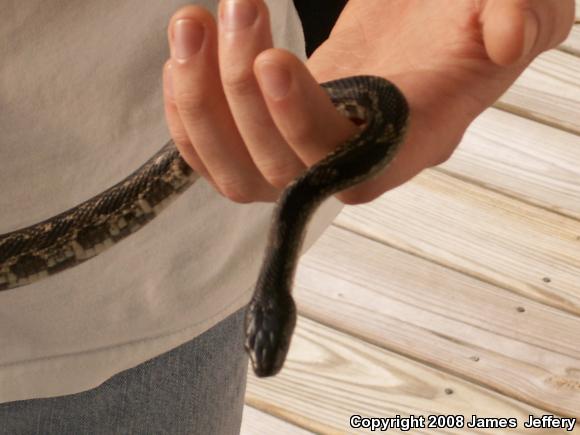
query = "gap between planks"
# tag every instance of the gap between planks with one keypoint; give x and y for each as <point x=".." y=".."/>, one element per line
<point x="513" y="245"/>
<point x="521" y="159"/>
<point x="330" y="375"/>
<point x="548" y="91"/>
<point x="418" y="309"/>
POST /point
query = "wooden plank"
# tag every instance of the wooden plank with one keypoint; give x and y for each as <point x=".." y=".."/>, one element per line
<point x="330" y="376"/>
<point x="511" y="244"/>
<point x="548" y="91"/>
<point x="443" y="317"/>
<point x="572" y="43"/>
<point x="255" y="422"/>
<point x="522" y="158"/>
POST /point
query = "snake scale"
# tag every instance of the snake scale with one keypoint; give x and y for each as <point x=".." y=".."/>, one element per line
<point x="82" y="232"/>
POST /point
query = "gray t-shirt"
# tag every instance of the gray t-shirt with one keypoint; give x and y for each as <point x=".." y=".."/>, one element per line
<point x="81" y="108"/>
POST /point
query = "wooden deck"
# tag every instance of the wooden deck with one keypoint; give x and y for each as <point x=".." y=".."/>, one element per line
<point x="458" y="293"/>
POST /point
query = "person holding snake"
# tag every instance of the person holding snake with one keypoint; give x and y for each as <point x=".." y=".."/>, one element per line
<point x="149" y="335"/>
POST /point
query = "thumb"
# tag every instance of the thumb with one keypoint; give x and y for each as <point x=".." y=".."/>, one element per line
<point x="515" y="30"/>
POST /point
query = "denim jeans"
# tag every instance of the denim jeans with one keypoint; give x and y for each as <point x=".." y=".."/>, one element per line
<point x="196" y="388"/>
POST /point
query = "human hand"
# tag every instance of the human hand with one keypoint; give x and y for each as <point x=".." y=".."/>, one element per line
<point x="248" y="144"/>
<point x="451" y="58"/>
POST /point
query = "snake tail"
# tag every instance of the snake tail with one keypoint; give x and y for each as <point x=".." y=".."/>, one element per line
<point x="382" y="111"/>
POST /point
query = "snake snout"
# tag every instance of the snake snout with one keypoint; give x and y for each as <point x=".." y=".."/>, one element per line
<point x="269" y="328"/>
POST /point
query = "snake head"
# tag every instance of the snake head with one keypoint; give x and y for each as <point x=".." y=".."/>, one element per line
<point x="269" y="327"/>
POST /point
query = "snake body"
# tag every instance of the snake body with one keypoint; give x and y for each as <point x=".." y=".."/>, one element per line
<point x="72" y="237"/>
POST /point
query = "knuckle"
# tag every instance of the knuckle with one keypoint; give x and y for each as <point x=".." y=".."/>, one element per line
<point x="235" y="190"/>
<point x="181" y="139"/>
<point x="240" y="84"/>
<point x="191" y="104"/>
<point x="279" y="173"/>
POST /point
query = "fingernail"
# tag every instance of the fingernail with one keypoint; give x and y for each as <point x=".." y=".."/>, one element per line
<point x="188" y="37"/>
<point x="530" y="33"/>
<point x="168" y="81"/>
<point x="238" y="14"/>
<point x="274" y="79"/>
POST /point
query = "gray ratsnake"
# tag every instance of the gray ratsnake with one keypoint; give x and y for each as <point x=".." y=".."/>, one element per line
<point x="68" y="239"/>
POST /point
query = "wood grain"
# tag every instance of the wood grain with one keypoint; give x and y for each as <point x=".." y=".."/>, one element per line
<point x="444" y="318"/>
<point x="572" y="43"/>
<point x="548" y="91"/>
<point x="255" y="422"/>
<point x="519" y="247"/>
<point x="521" y="158"/>
<point x="330" y="376"/>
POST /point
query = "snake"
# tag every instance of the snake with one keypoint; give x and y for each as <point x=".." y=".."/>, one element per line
<point x="70" y="238"/>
